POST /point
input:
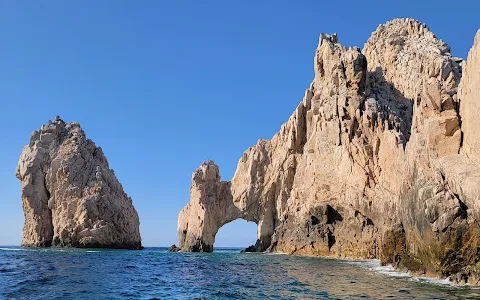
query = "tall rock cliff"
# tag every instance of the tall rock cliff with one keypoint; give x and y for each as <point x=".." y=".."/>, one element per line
<point x="371" y="164"/>
<point x="70" y="195"/>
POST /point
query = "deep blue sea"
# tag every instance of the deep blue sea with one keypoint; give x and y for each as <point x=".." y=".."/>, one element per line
<point x="155" y="273"/>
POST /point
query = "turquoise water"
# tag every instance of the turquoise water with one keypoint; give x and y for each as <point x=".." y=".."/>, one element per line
<point x="155" y="273"/>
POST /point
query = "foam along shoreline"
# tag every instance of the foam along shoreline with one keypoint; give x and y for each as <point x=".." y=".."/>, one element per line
<point x="375" y="265"/>
<point x="388" y="270"/>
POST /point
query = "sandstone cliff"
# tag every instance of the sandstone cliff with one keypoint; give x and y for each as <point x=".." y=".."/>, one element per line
<point x="70" y="195"/>
<point x="379" y="160"/>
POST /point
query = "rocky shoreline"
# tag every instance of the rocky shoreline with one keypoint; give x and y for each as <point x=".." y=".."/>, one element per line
<point x="379" y="160"/>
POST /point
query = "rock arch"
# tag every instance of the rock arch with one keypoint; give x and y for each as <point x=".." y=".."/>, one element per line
<point x="236" y="234"/>
<point x="213" y="204"/>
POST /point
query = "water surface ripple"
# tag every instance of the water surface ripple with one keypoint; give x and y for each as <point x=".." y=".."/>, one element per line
<point x="155" y="273"/>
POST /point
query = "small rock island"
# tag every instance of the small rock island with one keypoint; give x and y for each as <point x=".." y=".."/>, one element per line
<point x="71" y="198"/>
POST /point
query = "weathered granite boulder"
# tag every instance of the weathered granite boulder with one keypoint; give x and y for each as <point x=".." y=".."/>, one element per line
<point x="371" y="164"/>
<point x="71" y="198"/>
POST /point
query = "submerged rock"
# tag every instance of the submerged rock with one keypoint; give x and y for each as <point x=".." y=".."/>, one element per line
<point x="71" y="198"/>
<point x="249" y="249"/>
<point x="174" y="248"/>
<point x="371" y="164"/>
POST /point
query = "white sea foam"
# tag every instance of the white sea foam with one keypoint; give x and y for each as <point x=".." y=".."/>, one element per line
<point x="388" y="270"/>
<point x="11" y="249"/>
<point x="274" y="253"/>
<point x="438" y="281"/>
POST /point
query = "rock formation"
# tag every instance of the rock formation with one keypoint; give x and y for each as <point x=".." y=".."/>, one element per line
<point x="71" y="198"/>
<point x="174" y="248"/>
<point x="379" y="160"/>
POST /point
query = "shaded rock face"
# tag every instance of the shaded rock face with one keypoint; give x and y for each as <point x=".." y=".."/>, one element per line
<point x="70" y="196"/>
<point x="371" y="164"/>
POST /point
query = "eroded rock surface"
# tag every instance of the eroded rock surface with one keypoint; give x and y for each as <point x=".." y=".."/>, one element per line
<point x="70" y="195"/>
<point x="370" y="165"/>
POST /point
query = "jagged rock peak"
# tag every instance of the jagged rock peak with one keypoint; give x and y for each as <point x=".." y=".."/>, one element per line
<point x="410" y="54"/>
<point x="70" y="195"/>
<point x="405" y="27"/>
<point x="329" y="38"/>
<point x="208" y="171"/>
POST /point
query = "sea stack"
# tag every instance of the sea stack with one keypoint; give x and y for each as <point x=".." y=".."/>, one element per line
<point x="379" y="160"/>
<point x="71" y="198"/>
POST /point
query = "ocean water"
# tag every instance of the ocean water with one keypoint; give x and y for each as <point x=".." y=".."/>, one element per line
<point x="155" y="273"/>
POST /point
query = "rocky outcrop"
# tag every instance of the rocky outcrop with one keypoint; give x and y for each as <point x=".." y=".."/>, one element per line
<point x="250" y="248"/>
<point x="174" y="248"/>
<point x="371" y="164"/>
<point x="71" y="198"/>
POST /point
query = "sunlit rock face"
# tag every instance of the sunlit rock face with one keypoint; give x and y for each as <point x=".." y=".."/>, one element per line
<point x="212" y="205"/>
<point x="371" y="164"/>
<point x="70" y="196"/>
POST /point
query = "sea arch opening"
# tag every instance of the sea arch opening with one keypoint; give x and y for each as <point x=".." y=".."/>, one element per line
<point x="238" y="233"/>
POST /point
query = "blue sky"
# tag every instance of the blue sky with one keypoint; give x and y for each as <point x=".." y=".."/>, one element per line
<point x="162" y="86"/>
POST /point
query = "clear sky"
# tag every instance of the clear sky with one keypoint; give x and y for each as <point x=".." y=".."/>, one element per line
<point x="162" y="86"/>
